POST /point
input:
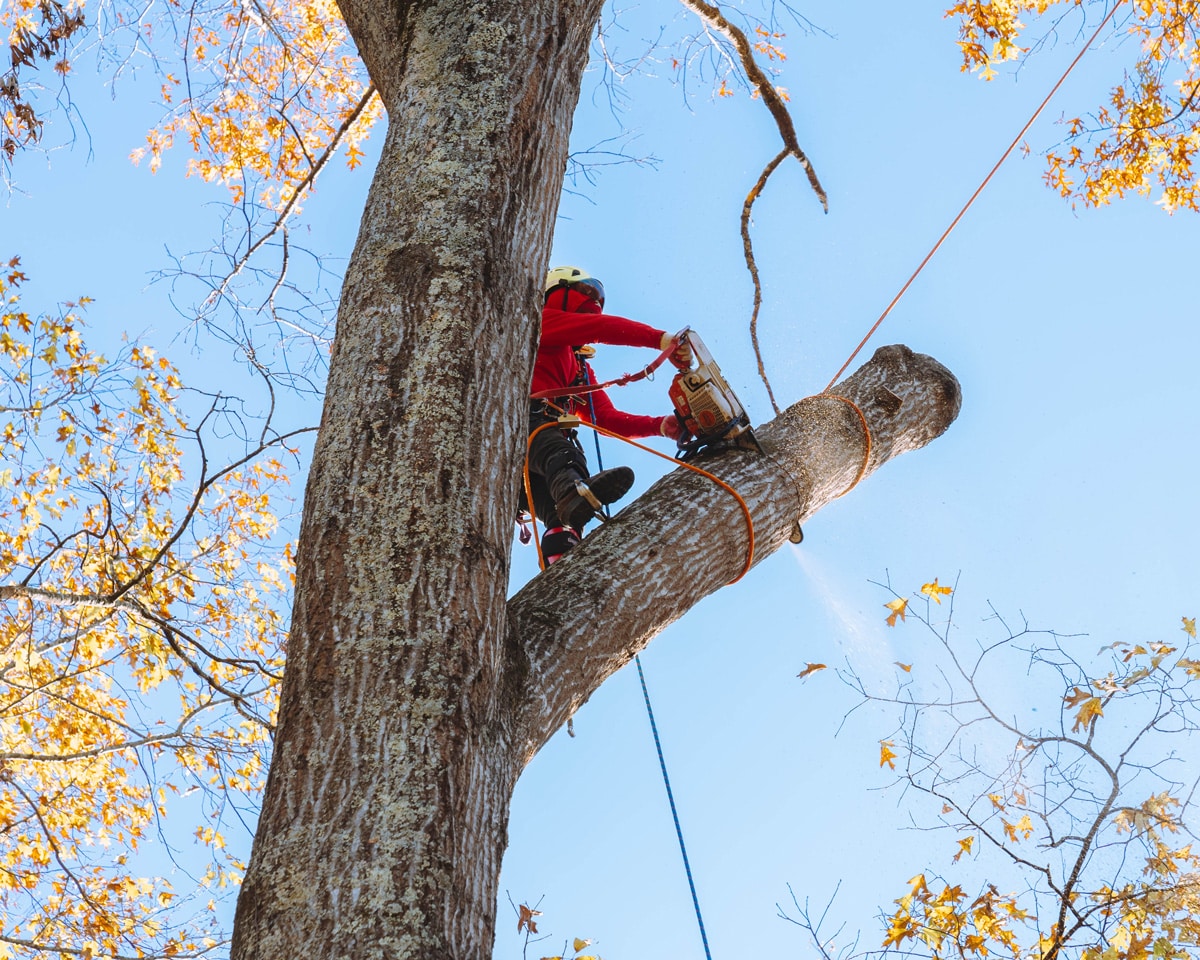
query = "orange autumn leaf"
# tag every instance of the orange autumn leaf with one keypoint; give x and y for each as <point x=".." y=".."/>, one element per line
<point x="811" y="668"/>
<point x="1090" y="711"/>
<point x="898" y="607"/>
<point x="525" y="919"/>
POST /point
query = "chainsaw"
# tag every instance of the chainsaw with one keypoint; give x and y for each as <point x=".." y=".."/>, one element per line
<point x="708" y="410"/>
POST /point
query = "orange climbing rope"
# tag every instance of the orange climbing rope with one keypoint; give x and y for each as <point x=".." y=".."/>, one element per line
<point x="866" y="436"/>
<point x="934" y="249"/>
<point x="978" y="191"/>
<point x="824" y="394"/>
<point x="616" y="436"/>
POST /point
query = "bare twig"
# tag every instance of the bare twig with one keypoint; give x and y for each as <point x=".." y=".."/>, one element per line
<point x="713" y="17"/>
<point x="300" y="190"/>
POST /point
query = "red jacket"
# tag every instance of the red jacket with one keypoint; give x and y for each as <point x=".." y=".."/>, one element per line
<point x="571" y="321"/>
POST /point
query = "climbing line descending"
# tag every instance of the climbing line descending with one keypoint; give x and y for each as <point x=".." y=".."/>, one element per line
<point x="978" y="191"/>
<point x="674" y="813"/>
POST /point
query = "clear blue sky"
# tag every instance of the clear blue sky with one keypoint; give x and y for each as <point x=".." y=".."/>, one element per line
<point x="1065" y="490"/>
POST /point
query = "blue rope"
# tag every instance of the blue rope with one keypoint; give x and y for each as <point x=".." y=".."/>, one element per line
<point x="674" y="813"/>
<point x="595" y="433"/>
<point x="687" y="866"/>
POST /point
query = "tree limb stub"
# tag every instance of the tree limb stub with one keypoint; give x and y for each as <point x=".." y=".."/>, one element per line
<point x="686" y="537"/>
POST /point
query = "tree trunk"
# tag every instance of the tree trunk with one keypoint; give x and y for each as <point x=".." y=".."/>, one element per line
<point x="412" y="698"/>
<point x="385" y="812"/>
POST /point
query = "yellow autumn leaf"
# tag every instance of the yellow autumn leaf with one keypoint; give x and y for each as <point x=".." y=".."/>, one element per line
<point x="935" y="592"/>
<point x="906" y="667"/>
<point x="1076" y="697"/>
<point x="103" y="507"/>
<point x="580" y="944"/>
<point x="1189" y="626"/>
<point x="1090" y="711"/>
<point x="886" y="755"/>
<point x="898" y="608"/>
<point x="964" y="846"/>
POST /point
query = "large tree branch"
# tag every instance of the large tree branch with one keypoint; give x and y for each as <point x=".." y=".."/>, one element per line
<point x="687" y="537"/>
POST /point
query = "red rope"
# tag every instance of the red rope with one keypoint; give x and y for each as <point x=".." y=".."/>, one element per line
<point x="580" y="389"/>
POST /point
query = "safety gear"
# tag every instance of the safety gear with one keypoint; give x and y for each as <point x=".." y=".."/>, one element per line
<point x="671" y="428"/>
<point x="578" y="499"/>
<point x="557" y="541"/>
<point x="574" y="278"/>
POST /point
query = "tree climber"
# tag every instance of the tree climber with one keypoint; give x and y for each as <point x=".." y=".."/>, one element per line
<point x="564" y="495"/>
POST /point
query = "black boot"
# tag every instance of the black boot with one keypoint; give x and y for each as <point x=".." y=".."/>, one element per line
<point x="577" y="500"/>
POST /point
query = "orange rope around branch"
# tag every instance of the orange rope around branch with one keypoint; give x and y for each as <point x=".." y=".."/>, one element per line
<point x="978" y="191"/>
<point x="866" y="434"/>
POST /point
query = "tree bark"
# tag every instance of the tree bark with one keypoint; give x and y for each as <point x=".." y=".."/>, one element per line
<point x="386" y="806"/>
<point x="413" y="695"/>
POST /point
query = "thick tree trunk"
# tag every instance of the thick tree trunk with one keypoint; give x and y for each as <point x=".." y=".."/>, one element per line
<point x="411" y="701"/>
<point x="386" y="806"/>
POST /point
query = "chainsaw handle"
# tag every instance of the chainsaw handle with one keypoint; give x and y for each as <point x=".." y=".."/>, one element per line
<point x="682" y="338"/>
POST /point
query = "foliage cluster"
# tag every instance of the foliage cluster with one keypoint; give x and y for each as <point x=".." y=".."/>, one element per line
<point x="141" y="642"/>
<point x="1090" y="815"/>
<point x="1147" y="135"/>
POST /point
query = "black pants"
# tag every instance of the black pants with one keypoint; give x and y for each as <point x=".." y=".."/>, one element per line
<point x="556" y="460"/>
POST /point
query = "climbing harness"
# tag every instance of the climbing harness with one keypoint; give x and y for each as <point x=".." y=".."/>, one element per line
<point x="705" y="405"/>
<point x="568" y="421"/>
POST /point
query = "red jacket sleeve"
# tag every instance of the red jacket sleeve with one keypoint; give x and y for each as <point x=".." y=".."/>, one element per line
<point x="626" y="424"/>
<point x="563" y="329"/>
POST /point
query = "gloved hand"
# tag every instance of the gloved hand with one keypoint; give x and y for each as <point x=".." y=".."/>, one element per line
<point x="682" y="357"/>
<point x="670" y="426"/>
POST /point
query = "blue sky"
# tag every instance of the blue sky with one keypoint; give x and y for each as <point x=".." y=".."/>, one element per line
<point x="1064" y="492"/>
